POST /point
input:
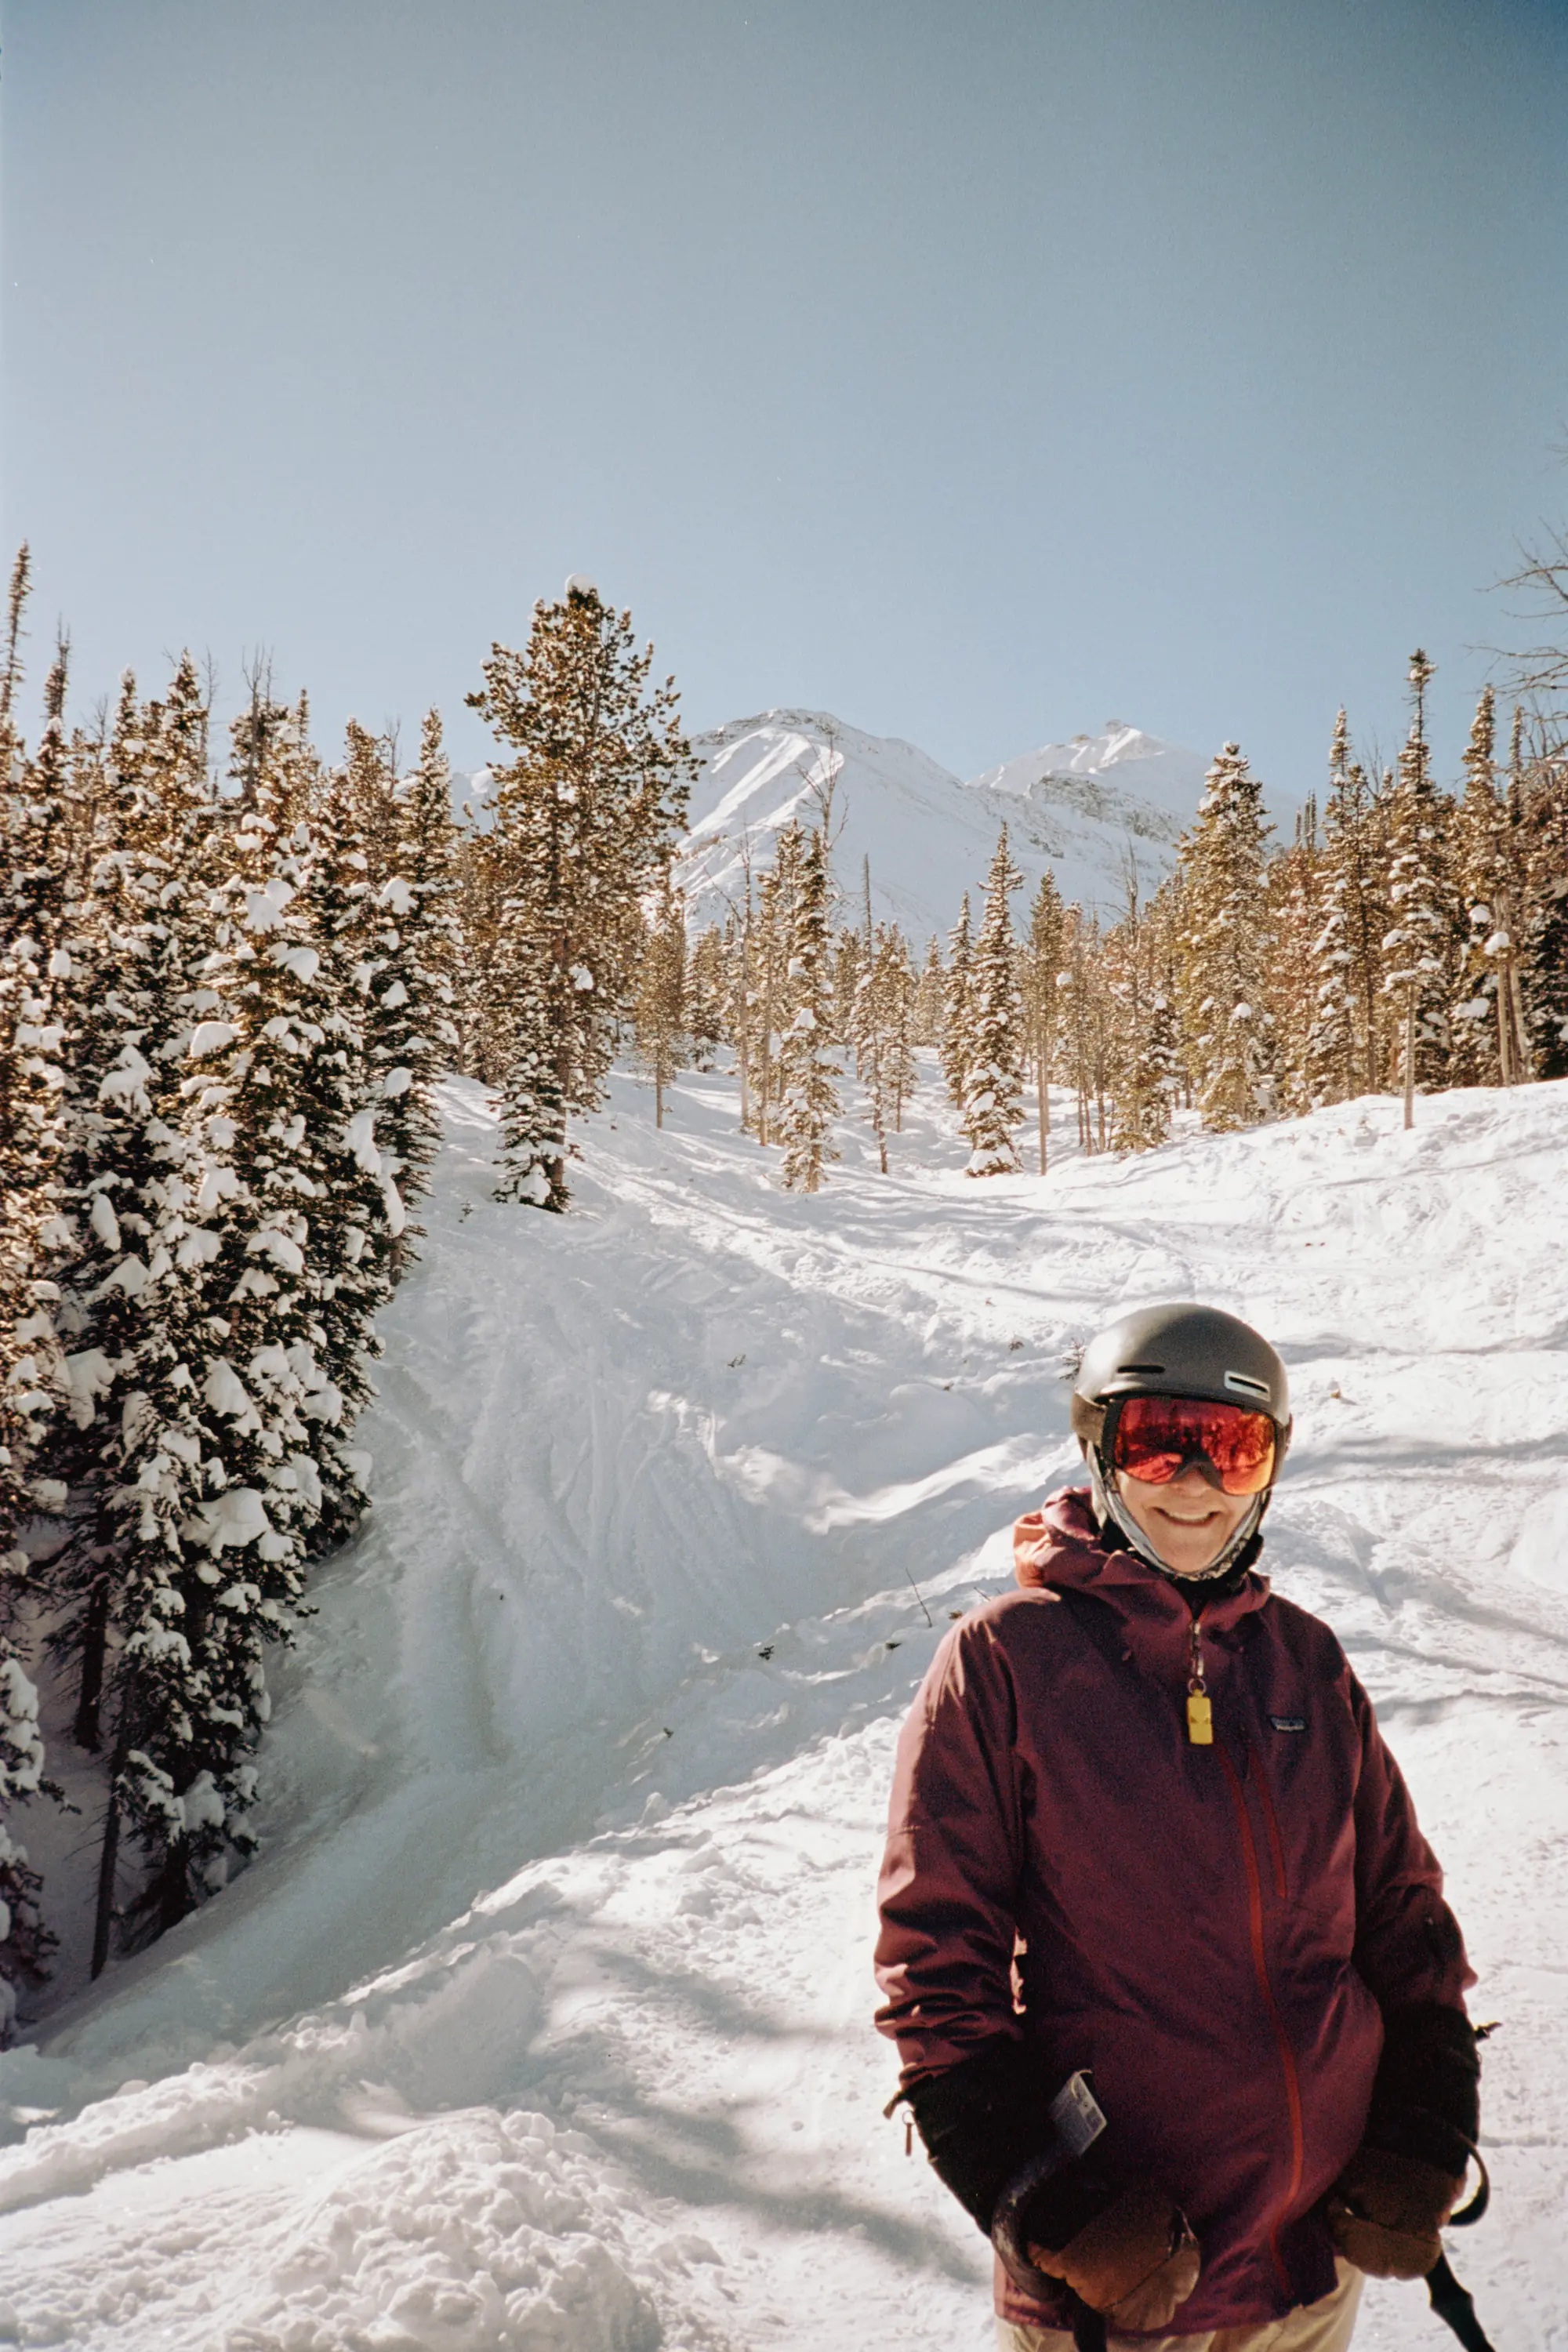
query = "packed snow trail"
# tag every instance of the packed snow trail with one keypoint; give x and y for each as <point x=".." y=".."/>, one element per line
<point x="542" y="2020"/>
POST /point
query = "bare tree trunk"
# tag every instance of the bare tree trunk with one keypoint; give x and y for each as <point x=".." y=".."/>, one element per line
<point x="1044" y="1102"/>
<point x="1525" y="1058"/>
<point x="556" y="1170"/>
<point x="764" y="1083"/>
<point x="94" y="1644"/>
<point x="1410" y="1055"/>
<point x="1504" y="1024"/>
<point x="108" y="1855"/>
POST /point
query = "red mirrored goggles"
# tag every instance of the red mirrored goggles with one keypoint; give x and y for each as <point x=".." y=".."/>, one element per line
<point x="1154" y="1438"/>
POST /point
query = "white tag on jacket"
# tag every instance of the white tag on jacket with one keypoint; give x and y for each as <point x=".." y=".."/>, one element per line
<point x="1076" y="2113"/>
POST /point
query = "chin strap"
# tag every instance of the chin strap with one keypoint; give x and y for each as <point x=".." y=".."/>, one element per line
<point x="1108" y="1505"/>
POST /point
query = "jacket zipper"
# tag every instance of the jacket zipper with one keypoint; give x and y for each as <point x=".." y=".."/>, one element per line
<point x="1271" y="1822"/>
<point x="1260" y="1965"/>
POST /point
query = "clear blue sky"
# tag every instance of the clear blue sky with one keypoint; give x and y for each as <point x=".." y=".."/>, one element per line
<point x="976" y="371"/>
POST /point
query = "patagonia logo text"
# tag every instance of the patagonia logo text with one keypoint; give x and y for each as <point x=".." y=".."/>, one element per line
<point x="1289" y="1722"/>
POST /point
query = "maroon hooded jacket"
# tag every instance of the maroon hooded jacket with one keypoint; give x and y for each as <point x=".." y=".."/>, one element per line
<point x="1215" y="1931"/>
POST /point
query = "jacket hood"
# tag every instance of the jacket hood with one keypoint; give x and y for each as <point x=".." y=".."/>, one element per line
<point x="1061" y="1547"/>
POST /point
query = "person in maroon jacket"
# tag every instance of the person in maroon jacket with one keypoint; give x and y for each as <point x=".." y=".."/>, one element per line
<point x="1179" y="2003"/>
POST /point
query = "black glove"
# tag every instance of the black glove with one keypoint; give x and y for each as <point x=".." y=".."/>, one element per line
<point x="1386" y="2207"/>
<point x="1425" y="2098"/>
<point x="983" y="2120"/>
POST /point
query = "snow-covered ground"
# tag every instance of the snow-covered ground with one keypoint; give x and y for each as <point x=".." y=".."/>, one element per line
<point x="542" y="2020"/>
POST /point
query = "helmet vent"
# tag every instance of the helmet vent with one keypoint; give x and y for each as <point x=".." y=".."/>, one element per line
<point x="1247" y="1387"/>
<point x="1135" y="1370"/>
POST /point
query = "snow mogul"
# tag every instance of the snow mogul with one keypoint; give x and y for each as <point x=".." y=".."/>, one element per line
<point x="1178" y="2002"/>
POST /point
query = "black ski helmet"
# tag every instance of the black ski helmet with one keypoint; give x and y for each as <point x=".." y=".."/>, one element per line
<point x="1179" y="1350"/>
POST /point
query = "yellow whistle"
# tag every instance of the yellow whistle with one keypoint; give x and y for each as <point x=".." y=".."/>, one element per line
<point x="1200" y="1719"/>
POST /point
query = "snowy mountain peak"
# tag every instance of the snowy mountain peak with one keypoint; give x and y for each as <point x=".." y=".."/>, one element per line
<point x="1079" y="806"/>
<point x="925" y="835"/>
<point x="819" y="726"/>
<point x="1121" y="758"/>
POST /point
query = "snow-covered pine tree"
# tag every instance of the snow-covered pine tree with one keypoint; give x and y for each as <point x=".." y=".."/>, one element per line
<point x="353" y="847"/>
<point x="1225" y="949"/>
<point x="1484" y="1048"/>
<point x="1538" y="814"/>
<point x="1295" y="925"/>
<point x="770" y="948"/>
<point x="17" y="592"/>
<point x="484" y="1014"/>
<point x="1421" y="947"/>
<point x="117" y="973"/>
<point x="587" y="812"/>
<point x="34" y="891"/>
<point x="125" y="994"/>
<point x="1344" y="1055"/>
<point x="1142" y="1029"/>
<point x="893" y="987"/>
<point x="1081" y="992"/>
<point x="738" y="1021"/>
<point x="186" y="1694"/>
<point x="808" y="1098"/>
<point x="728" y="1000"/>
<point x="415" y="1040"/>
<point x="708" y="992"/>
<point x="993" y="1074"/>
<point x="738" y="1015"/>
<point x="931" y="996"/>
<point x="957" y="1028"/>
<point x="1537" y="946"/>
<point x="1161" y="927"/>
<point x="235" y="1447"/>
<point x="369" y="790"/>
<point x="30" y="1357"/>
<point x="881" y="1030"/>
<point x="864" y="1035"/>
<point x="1039" y="980"/>
<point x="33" y="913"/>
<point x="356" y="1220"/>
<point x="659" y="1006"/>
<point x="1167" y="922"/>
<point x="30" y="855"/>
<point x="26" y="1942"/>
<point x="381" y="880"/>
<point x="850" y="966"/>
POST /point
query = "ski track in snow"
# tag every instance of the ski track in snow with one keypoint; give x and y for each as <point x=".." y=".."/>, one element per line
<point x="543" y="2019"/>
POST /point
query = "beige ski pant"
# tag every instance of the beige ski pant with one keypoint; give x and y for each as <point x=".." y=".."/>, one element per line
<point x="1322" y="2327"/>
